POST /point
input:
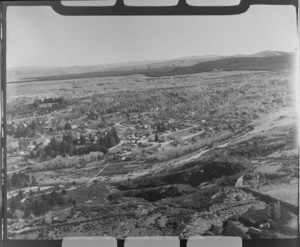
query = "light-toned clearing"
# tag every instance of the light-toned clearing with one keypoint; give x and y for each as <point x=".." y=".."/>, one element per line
<point x="286" y="192"/>
<point x="283" y="117"/>
<point x="267" y="168"/>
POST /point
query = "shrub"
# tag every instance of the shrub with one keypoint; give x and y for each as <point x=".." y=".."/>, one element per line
<point x="254" y="217"/>
<point x="230" y="229"/>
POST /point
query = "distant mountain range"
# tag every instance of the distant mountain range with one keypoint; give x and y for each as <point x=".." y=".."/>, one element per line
<point x="265" y="60"/>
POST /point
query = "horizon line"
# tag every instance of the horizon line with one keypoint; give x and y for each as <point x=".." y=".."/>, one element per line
<point x="144" y="61"/>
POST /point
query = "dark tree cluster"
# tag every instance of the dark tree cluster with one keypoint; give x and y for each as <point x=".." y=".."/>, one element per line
<point x="68" y="126"/>
<point x="60" y="101"/>
<point x="15" y="203"/>
<point x="21" y="130"/>
<point x="23" y="144"/>
<point x="111" y="138"/>
<point x="162" y="127"/>
<point x="41" y="204"/>
<point x="258" y="149"/>
<point x="93" y="115"/>
<point x="56" y="104"/>
<point x="66" y="146"/>
<point x="44" y="203"/>
<point x="230" y="229"/>
<point x="21" y="180"/>
<point x="20" y="110"/>
<point x="72" y="146"/>
<point x="59" y="124"/>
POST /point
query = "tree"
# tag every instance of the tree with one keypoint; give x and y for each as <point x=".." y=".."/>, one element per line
<point x="159" y="128"/>
<point x="82" y="162"/>
<point x="73" y="201"/>
<point x="36" y="103"/>
<point x="67" y="144"/>
<point x="102" y="143"/>
<point x="56" y="187"/>
<point x="34" y="128"/>
<point x="52" y="148"/>
<point x="127" y="116"/>
<point x="54" y="125"/>
<point x="102" y="124"/>
<point x="115" y="134"/>
<point x="111" y="142"/>
<point x="82" y="140"/>
<point x="63" y="147"/>
<point x="99" y="156"/>
<point x="22" y="144"/>
<point x="10" y="214"/>
<point x="103" y="148"/>
<point x="15" y="203"/>
<point x="69" y="137"/>
<point x="21" y="194"/>
<point x="19" y="180"/>
<point x="9" y="184"/>
<point x="30" y="132"/>
<point x="230" y="229"/>
<point x="70" y="149"/>
<point x="41" y="153"/>
<point x="148" y="133"/>
<point x="42" y="235"/>
<point x="68" y="126"/>
<point x="156" y="137"/>
<point x="20" y="130"/>
<point x="53" y="144"/>
<point x="276" y="210"/>
<point x="92" y="138"/>
<point x="34" y="181"/>
<point x="61" y="124"/>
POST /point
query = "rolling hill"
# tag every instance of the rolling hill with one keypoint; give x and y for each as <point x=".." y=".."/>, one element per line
<point x="266" y="60"/>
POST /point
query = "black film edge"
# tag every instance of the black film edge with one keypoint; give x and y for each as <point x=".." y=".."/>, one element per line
<point x="182" y="8"/>
<point x="120" y="9"/>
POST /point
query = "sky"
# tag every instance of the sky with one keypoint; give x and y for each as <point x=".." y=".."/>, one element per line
<point x="37" y="36"/>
